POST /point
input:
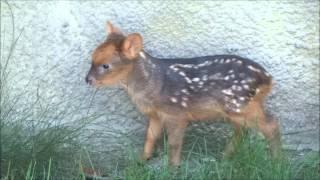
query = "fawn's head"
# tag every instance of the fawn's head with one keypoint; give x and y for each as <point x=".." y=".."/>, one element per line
<point x="113" y="59"/>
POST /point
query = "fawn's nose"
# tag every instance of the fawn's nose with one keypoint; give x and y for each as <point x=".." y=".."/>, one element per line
<point x="90" y="80"/>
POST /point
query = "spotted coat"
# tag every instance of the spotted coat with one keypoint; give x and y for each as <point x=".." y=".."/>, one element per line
<point x="227" y="79"/>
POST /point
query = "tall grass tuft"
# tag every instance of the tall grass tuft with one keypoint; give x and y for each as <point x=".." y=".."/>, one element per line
<point x="39" y="138"/>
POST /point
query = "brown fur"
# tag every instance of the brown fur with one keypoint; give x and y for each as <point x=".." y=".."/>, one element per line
<point x="128" y="69"/>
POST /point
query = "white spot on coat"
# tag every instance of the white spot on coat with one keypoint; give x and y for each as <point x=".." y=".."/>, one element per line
<point x="215" y="76"/>
<point x="206" y="63"/>
<point x="246" y="86"/>
<point x="173" y="99"/>
<point x="205" y="77"/>
<point x="185" y="91"/>
<point x="184" y="104"/>
<point x="185" y="98"/>
<point x="227" y="92"/>
<point x="239" y="62"/>
<point x="188" y="80"/>
<point x="196" y="79"/>
<point x="254" y="69"/>
<point x="182" y="73"/>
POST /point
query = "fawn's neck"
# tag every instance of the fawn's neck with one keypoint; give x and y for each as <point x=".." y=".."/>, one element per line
<point x="145" y="77"/>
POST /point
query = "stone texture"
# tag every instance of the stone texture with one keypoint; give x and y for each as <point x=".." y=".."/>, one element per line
<point x="53" y="53"/>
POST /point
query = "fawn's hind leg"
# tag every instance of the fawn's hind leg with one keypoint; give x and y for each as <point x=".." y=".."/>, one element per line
<point x="254" y="117"/>
<point x="270" y="129"/>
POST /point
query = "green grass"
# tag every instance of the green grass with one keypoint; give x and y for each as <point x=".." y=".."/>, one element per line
<point x="250" y="161"/>
<point x="39" y="138"/>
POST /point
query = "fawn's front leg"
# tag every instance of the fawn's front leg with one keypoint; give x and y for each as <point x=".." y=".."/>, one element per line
<point x="176" y="131"/>
<point x="153" y="133"/>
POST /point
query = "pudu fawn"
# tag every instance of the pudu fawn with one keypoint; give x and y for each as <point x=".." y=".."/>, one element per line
<point x="174" y="92"/>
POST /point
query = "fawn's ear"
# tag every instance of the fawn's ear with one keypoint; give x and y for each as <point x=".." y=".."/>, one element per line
<point x="111" y="29"/>
<point x="132" y="45"/>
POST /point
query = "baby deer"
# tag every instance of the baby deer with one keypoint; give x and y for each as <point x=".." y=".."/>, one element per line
<point x="174" y="92"/>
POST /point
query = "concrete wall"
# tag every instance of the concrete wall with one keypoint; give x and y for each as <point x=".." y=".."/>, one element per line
<point x="53" y="55"/>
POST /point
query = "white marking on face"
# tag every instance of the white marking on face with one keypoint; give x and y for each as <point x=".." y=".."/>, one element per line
<point x="201" y="83"/>
<point x="257" y="90"/>
<point x="233" y="59"/>
<point x="243" y="81"/>
<point x="227" y="92"/>
<point x="173" y="99"/>
<point x="216" y="60"/>
<point x="228" y="61"/>
<point x="238" y="110"/>
<point x="142" y="55"/>
<point x="235" y="81"/>
<point x="254" y="69"/>
<point x="230" y="71"/>
<point x="226" y="78"/>
<point x="191" y="87"/>
<point x="242" y="98"/>
<point x="232" y="76"/>
<point x="184" y="104"/>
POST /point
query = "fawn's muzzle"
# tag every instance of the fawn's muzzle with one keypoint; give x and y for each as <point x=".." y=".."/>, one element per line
<point x="90" y="79"/>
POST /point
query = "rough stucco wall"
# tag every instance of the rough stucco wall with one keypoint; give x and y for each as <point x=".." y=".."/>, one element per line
<point x="283" y="37"/>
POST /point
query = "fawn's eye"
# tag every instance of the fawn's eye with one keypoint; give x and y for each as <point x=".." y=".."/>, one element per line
<point x="105" y="66"/>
